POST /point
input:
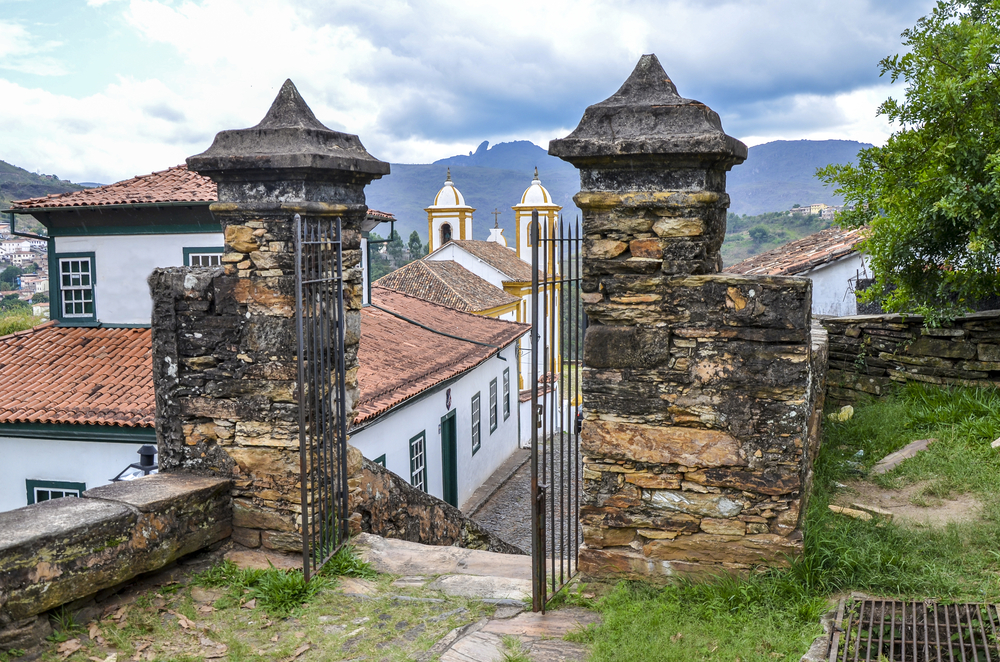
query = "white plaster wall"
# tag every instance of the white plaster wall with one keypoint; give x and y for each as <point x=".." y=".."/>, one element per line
<point x="390" y="434"/>
<point x="123" y="262"/>
<point x="92" y="462"/>
<point x="470" y="262"/>
<point x="832" y="293"/>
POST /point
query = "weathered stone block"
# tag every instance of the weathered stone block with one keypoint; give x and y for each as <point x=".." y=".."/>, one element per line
<point x="246" y="537"/>
<point x="769" y="482"/>
<point x="691" y="447"/>
<point x="280" y="541"/>
<point x="723" y="527"/>
<point x="928" y="346"/>
<point x="705" y="505"/>
<point x="626" y="346"/>
<point x="57" y="551"/>
<point x="651" y="481"/>
<point x="599" y="536"/>
<point x="761" y="549"/>
<point x="987" y="352"/>
<point x="249" y="516"/>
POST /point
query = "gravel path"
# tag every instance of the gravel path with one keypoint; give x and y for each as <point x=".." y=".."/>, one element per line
<point x="508" y="512"/>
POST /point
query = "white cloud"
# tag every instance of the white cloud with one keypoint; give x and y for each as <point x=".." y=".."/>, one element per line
<point x="850" y="115"/>
<point x="23" y="52"/>
<point x="424" y="79"/>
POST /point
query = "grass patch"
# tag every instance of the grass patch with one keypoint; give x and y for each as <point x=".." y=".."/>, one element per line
<point x="16" y="321"/>
<point x="278" y="592"/>
<point x="345" y="563"/>
<point x="774" y="615"/>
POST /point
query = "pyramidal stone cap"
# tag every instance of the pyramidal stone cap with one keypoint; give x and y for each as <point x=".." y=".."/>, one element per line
<point x="648" y="120"/>
<point x="290" y="139"/>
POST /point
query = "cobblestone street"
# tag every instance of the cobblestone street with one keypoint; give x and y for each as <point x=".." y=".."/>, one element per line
<point x="508" y="512"/>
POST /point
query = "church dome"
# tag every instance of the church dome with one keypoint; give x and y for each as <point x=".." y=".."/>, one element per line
<point x="536" y="195"/>
<point x="449" y="195"/>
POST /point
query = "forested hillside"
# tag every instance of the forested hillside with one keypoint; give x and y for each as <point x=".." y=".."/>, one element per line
<point x="18" y="184"/>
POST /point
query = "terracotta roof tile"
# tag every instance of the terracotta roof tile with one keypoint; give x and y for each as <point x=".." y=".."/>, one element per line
<point x="448" y="283"/>
<point x="500" y="258"/>
<point x="801" y="255"/>
<point x="399" y="360"/>
<point x="177" y="184"/>
<point x="53" y="374"/>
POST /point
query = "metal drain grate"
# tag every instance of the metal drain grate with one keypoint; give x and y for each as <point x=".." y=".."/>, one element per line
<point x="871" y="629"/>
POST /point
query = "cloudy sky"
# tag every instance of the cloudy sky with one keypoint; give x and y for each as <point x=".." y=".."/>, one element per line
<point x="101" y="90"/>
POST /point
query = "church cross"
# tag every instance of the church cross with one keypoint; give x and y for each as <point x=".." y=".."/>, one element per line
<point x="496" y="214"/>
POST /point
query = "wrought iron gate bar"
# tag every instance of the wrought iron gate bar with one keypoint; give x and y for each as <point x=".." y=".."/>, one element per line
<point x="555" y="470"/>
<point x="869" y="630"/>
<point x="320" y="330"/>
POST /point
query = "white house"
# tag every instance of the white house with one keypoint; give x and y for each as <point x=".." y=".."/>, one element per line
<point x="76" y="393"/>
<point x="438" y="393"/>
<point x="828" y="258"/>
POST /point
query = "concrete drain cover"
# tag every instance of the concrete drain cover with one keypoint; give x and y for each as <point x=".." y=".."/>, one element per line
<point x="874" y="629"/>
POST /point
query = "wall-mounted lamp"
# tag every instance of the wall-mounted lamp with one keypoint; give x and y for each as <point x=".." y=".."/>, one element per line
<point x="146" y="464"/>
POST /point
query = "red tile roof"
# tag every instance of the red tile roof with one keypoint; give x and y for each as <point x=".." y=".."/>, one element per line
<point x="177" y="184"/>
<point x="53" y="374"/>
<point x="103" y="376"/>
<point x="500" y="258"/>
<point x="399" y="359"/>
<point x="801" y="255"/>
<point x="448" y="283"/>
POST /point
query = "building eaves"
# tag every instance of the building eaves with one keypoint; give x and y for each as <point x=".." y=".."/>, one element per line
<point x="802" y="255"/>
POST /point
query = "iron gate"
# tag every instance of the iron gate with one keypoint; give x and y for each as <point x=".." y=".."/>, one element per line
<point x="557" y="324"/>
<point x="319" y="325"/>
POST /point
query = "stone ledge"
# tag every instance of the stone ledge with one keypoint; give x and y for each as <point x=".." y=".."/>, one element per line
<point x="58" y="551"/>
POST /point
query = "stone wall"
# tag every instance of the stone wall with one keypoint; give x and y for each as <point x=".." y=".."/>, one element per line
<point x="58" y="551"/>
<point x="868" y="353"/>
<point x="700" y="389"/>
<point x="387" y="505"/>
<point x="697" y="438"/>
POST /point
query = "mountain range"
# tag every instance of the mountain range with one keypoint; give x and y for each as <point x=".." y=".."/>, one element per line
<point x="775" y="176"/>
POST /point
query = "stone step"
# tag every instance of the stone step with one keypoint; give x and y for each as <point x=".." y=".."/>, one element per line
<point x="401" y="557"/>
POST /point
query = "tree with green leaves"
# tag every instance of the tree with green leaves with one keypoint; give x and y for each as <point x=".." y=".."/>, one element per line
<point x="930" y="197"/>
<point x="416" y="246"/>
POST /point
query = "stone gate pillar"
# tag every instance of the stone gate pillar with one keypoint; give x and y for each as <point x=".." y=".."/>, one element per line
<point x="696" y="384"/>
<point x="224" y="339"/>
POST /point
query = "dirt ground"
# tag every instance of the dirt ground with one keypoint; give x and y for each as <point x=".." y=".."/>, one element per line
<point x="909" y="505"/>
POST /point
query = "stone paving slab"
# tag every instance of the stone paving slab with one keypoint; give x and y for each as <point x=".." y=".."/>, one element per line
<point x="552" y="624"/>
<point x="480" y="588"/>
<point x="401" y="557"/>
<point x="540" y="636"/>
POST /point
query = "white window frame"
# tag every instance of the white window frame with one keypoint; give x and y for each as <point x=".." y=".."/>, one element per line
<point x="476" y="432"/>
<point x="506" y="393"/>
<point x="493" y="405"/>
<point x="418" y="460"/>
<point x="76" y="295"/>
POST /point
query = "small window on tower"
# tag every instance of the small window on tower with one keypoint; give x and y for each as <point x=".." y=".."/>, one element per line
<point x="445" y="233"/>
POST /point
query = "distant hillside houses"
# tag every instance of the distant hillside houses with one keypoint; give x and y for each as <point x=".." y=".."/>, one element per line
<point x="824" y="211"/>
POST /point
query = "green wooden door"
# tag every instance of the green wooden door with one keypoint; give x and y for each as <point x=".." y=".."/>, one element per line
<point x="449" y="458"/>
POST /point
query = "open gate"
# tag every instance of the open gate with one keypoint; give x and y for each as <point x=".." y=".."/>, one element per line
<point x="557" y="325"/>
<point x="319" y="325"/>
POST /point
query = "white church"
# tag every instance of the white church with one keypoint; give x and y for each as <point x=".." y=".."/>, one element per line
<point x="488" y="278"/>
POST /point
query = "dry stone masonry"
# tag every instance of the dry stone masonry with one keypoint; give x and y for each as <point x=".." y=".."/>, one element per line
<point x="699" y="387"/>
<point x="868" y="353"/>
<point x="224" y="339"/>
